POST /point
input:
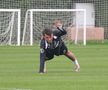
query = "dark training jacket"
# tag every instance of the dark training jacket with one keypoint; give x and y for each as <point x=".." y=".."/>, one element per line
<point x="45" y="46"/>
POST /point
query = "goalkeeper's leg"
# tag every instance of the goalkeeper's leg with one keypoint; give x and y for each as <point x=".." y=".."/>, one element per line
<point x="71" y="56"/>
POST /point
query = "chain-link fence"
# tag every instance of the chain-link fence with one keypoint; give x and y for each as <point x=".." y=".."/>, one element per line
<point x="100" y="7"/>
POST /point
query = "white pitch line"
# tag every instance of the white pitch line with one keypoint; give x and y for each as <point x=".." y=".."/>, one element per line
<point x="13" y="89"/>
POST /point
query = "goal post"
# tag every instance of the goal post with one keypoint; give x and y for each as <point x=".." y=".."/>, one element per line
<point x="10" y="27"/>
<point x="37" y="19"/>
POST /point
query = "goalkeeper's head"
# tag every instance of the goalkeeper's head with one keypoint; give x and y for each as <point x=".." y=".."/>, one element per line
<point x="48" y="35"/>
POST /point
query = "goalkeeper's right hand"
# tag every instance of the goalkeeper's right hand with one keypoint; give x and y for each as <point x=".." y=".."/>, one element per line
<point x="57" y="24"/>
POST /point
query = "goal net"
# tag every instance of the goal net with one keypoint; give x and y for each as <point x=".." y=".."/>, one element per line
<point x="9" y="27"/>
<point x="37" y="19"/>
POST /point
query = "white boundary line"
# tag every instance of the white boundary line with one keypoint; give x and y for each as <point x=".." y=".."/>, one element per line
<point x="13" y="89"/>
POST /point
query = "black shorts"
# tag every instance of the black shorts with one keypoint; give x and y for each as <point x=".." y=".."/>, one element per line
<point x="61" y="50"/>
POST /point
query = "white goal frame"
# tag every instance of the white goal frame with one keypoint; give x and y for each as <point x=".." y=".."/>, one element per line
<point x="18" y="22"/>
<point x="53" y="10"/>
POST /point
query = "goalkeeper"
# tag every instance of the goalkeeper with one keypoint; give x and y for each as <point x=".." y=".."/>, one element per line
<point x="52" y="44"/>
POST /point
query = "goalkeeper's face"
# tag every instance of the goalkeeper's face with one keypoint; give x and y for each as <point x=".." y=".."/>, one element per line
<point x="48" y="38"/>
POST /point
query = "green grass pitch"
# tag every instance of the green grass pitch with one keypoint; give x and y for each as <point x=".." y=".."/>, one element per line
<point x="19" y="69"/>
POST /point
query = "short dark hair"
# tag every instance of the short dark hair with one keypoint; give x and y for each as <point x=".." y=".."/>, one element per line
<point x="47" y="31"/>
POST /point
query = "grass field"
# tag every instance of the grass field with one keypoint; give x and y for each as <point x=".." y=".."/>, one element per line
<point x="19" y="69"/>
